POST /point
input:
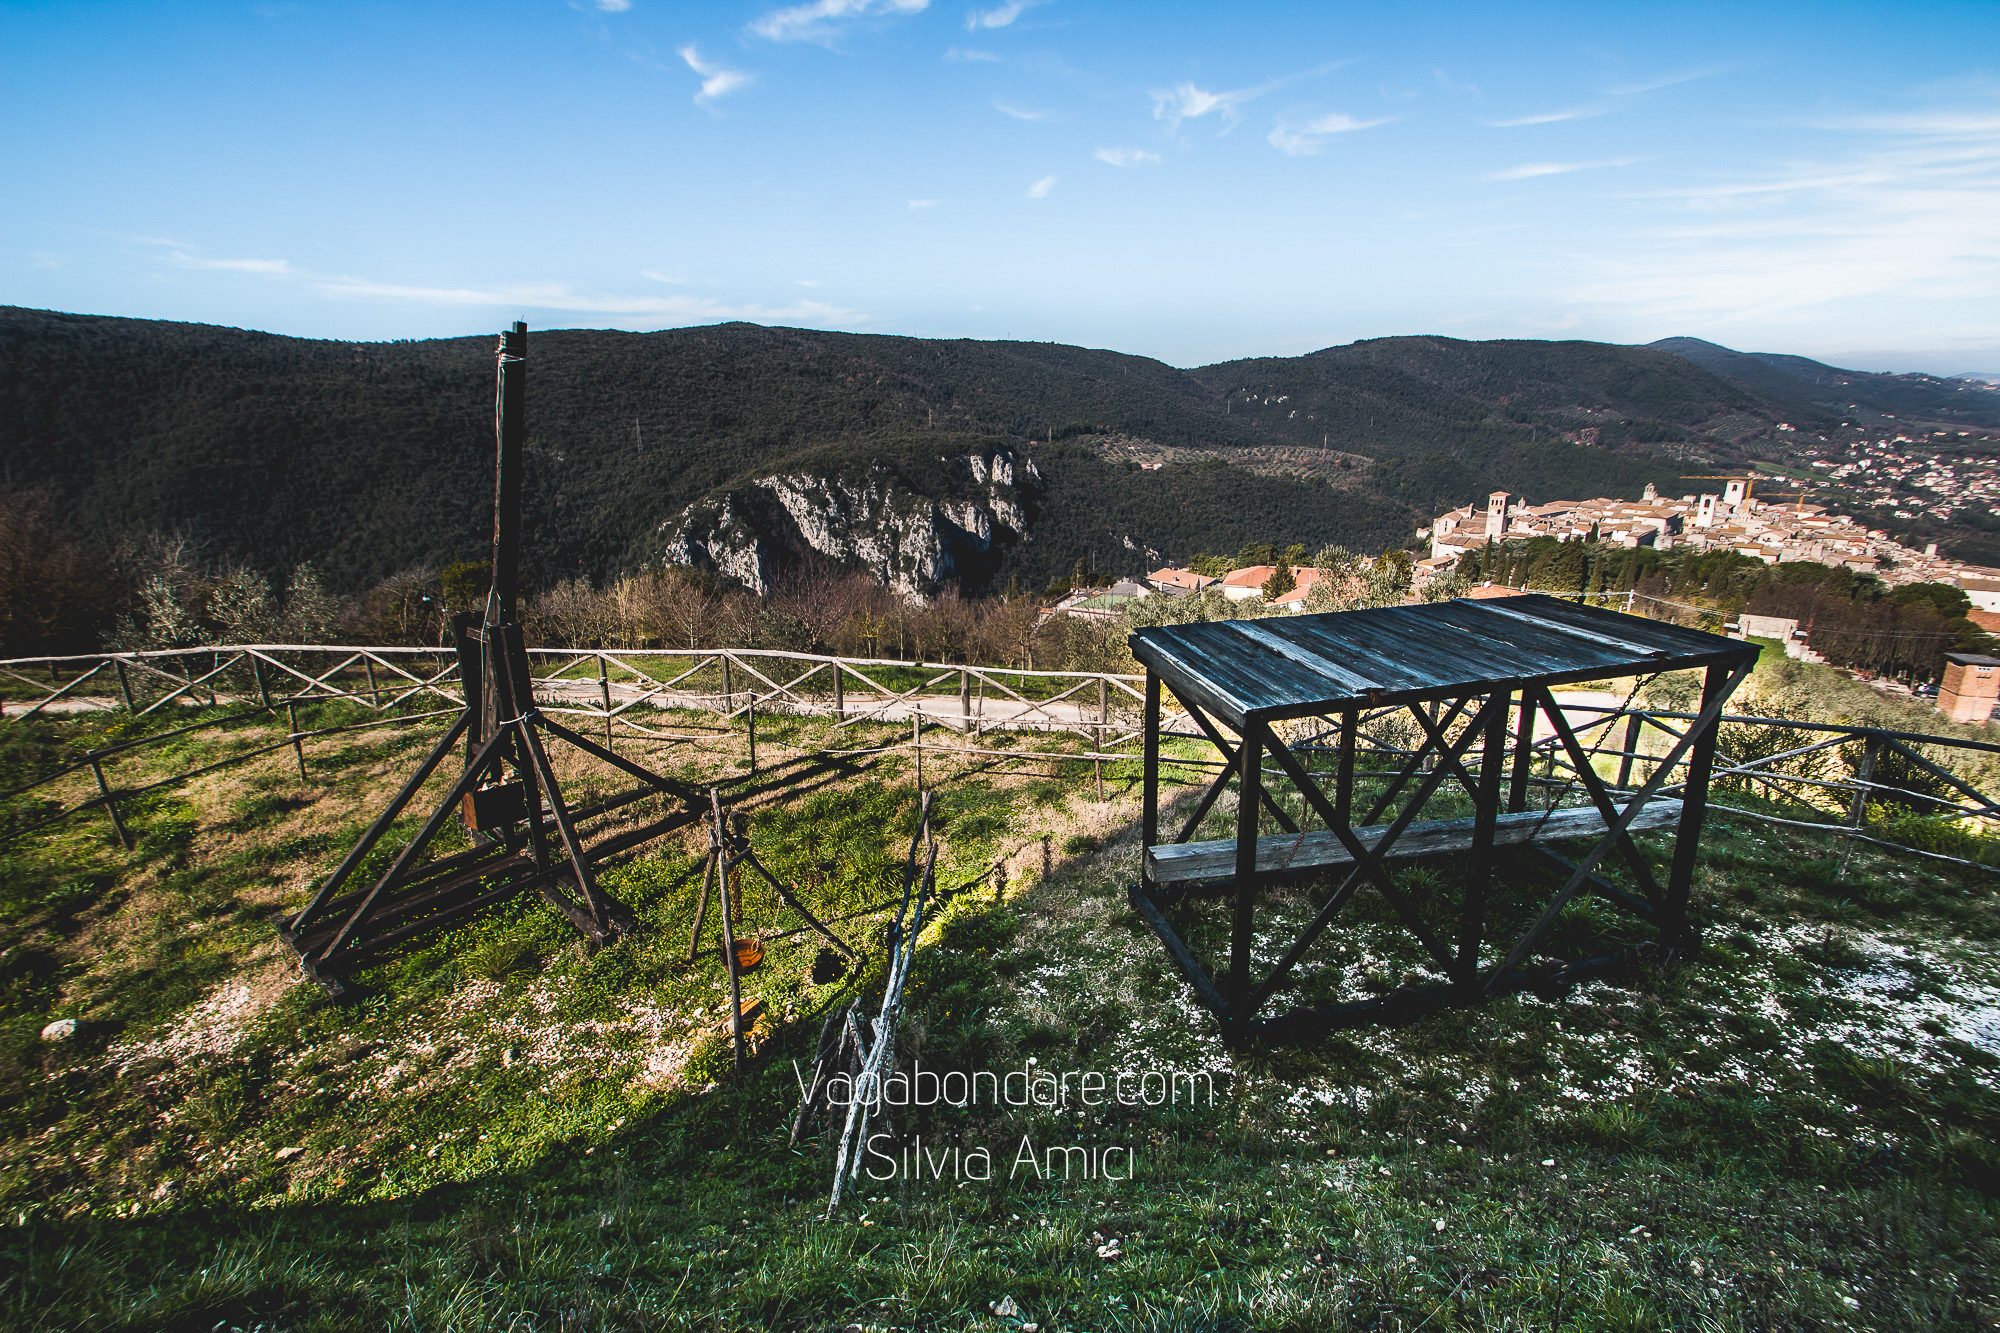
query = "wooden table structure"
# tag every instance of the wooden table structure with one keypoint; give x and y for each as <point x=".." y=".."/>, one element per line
<point x="1476" y="677"/>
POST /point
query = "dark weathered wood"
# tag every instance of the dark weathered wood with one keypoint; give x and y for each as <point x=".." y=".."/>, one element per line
<point x="1178" y="951"/>
<point x="729" y="942"/>
<point x="1149" y="796"/>
<point x="110" y="805"/>
<point x="701" y="904"/>
<point x="510" y="421"/>
<point x="1250" y="790"/>
<point x="1485" y="825"/>
<point x="1586" y="774"/>
<point x="298" y="745"/>
<point x="1296" y="665"/>
<point x="579" y="862"/>
<point x="416" y="845"/>
<point x="791" y="900"/>
<point x="382" y="822"/>
<point x="1700" y="737"/>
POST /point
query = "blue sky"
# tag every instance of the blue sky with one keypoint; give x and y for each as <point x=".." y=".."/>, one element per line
<point x="1190" y="182"/>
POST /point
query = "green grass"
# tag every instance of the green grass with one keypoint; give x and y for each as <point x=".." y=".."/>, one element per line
<point x="507" y="1132"/>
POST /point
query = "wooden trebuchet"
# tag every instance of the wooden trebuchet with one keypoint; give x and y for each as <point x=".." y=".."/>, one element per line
<point x="507" y="795"/>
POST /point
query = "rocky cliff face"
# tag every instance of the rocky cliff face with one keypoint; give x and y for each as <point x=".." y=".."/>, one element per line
<point x="914" y="528"/>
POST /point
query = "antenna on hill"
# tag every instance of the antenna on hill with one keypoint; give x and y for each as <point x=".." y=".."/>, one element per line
<point x="508" y="795"/>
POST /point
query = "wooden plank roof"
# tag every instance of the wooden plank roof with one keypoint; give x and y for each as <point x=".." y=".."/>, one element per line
<point x="1290" y="666"/>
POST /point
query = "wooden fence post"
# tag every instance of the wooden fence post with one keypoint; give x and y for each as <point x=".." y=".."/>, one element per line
<point x="298" y="749"/>
<point x="1632" y="726"/>
<point x="839" y="693"/>
<point x="1858" y="810"/>
<point x="1103" y="718"/>
<point x="604" y="692"/>
<point x="728" y="695"/>
<point x="965" y="701"/>
<point x="263" y="688"/>
<point x="110" y="806"/>
<point x="729" y="959"/>
<point x="917" y="739"/>
<point x="374" y="693"/>
<point x="750" y="716"/>
<point x="124" y="683"/>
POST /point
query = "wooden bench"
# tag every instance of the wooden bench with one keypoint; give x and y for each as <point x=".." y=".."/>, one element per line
<point x="1187" y="862"/>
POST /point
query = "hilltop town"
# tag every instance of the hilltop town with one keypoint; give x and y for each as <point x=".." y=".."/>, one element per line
<point x="1735" y="519"/>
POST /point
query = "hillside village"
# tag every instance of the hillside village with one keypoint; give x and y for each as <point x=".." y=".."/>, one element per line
<point x="1735" y="520"/>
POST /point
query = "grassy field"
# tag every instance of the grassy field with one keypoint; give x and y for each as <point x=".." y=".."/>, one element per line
<point x="1796" y="1131"/>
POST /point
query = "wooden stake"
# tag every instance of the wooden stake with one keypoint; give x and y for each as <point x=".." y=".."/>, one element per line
<point x="124" y="684"/>
<point x="750" y="716"/>
<point x="701" y="905"/>
<point x="292" y="713"/>
<point x="110" y="806"/>
<point x="917" y="739"/>
<point x="374" y="694"/>
<point x="729" y="952"/>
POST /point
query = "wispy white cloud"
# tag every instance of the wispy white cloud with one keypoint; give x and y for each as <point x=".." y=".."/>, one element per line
<point x="716" y="81"/>
<point x="1662" y="81"/>
<point x="613" y="6"/>
<point x="999" y="17"/>
<point x="549" y="296"/>
<point x="820" y="20"/>
<point x="1447" y="82"/>
<point x="1040" y="189"/>
<point x="562" y="297"/>
<point x="1904" y="226"/>
<point x="1531" y="170"/>
<point x="958" y="53"/>
<point x="917" y="204"/>
<point x="1307" y="138"/>
<point x="274" y="267"/>
<point x="1547" y="117"/>
<point x="1019" y="114"/>
<point x="810" y="282"/>
<point x="1186" y="101"/>
<point x="1128" y="157"/>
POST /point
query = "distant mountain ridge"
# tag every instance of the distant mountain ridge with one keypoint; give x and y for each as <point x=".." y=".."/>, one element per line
<point x="369" y="457"/>
<point x="1831" y="389"/>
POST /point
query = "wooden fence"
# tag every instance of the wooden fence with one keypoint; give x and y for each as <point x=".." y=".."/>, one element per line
<point x="1814" y="776"/>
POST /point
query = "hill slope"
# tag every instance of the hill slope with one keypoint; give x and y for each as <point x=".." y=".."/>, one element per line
<point x="368" y="457"/>
<point x="1831" y="390"/>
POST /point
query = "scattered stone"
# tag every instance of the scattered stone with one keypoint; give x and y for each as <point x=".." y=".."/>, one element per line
<point x="63" y="1029"/>
<point x="1004" y="1307"/>
<point x="287" y="1154"/>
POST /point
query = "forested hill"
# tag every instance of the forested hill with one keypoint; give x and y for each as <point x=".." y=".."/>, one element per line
<point x="1860" y="394"/>
<point x="370" y="457"/>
